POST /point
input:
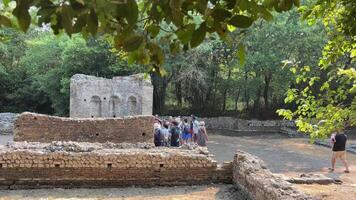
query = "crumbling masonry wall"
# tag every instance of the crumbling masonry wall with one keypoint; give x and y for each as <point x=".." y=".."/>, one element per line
<point x="120" y="96"/>
<point x="69" y="164"/>
<point x="251" y="175"/>
<point x="34" y="127"/>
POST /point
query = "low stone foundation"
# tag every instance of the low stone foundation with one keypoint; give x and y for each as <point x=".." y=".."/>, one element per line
<point x="34" y="127"/>
<point x="251" y="175"/>
<point x="69" y="164"/>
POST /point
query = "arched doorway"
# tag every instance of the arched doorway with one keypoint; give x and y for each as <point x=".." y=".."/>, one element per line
<point x="132" y="105"/>
<point x="95" y="106"/>
<point x="114" y="106"/>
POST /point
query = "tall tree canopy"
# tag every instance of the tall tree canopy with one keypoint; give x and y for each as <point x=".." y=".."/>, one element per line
<point x="134" y="24"/>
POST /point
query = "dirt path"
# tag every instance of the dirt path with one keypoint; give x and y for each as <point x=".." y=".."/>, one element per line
<point x="281" y="154"/>
<point x="210" y="192"/>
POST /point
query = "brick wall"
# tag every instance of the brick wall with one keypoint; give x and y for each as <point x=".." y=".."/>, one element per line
<point x="251" y="175"/>
<point x="33" y="127"/>
<point x="43" y="166"/>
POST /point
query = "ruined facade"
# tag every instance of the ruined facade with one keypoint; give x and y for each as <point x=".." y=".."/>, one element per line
<point x="92" y="97"/>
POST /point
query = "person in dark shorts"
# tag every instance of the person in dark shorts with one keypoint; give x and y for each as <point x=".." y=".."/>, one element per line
<point x="175" y="134"/>
<point x="339" y="143"/>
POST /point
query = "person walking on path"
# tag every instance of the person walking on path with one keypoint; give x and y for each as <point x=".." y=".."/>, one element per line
<point x="194" y="127"/>
<point x="339" y="150"/>
<point x="202" y="135"/>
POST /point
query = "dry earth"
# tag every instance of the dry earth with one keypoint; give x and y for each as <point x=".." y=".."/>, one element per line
<point x="207" y="192"/>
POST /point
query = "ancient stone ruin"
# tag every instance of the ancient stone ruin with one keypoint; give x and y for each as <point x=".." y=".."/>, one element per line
<point x="33" y="127"/>
<point x="120" y="96"/>
<point x="51" y="152"/>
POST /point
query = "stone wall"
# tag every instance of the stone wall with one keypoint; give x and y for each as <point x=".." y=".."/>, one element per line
<point x="251" y="175"/>
<point x="242" y="125"/>
<point x="7" y="123"/>
<point x="70" y="164"/>
<point x="92" y="96"/>
<point x="33" y="127"/>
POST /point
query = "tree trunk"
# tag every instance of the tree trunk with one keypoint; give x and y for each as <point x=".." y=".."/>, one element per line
<point x="247" y="99"/>
<point x="159" y="92"/>
<point x="178" y="91"/>
<point x="237" y="99"/>
<point x="268" y="78"/>
<point x="256" y="105"/>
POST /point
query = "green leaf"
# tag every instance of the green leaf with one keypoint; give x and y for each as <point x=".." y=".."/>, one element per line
<point x="231" y="28"/>
<point x="79" y="24"/>
<point x="22" y="14"/>
<point x="241" y="21"/>
<point x="66" y="19"/>
<point x="157" y="55"/>
<point x="153" y="29"/>
<point x="266" y="15"/>
<point x="132" y="43"/>
<point x="198" y="35"/>
<point x="220" y="14"/>
<point x="132" y="12"/>
<point x="92" y="22"/>
<point x="5" y="21"/>
<point x="185" y="34"/>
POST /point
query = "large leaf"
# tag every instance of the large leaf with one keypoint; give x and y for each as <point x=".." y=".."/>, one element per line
<point x="198" y="35"/>
<point x="92" y="21"/>
<point x="66" y="19"/>
<point x="185" y="34"/>
<point x="241" y="21"/>
<point x="132" y="43"/>
<point x="22" y="14"/>
<point x="132" y="12"/>
<point x="153" y="30"/>
<point x="221" y="14"/>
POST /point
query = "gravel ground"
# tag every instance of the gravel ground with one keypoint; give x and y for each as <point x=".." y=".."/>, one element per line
<point x="281" y="154"/>
<point x="205" y="192"/>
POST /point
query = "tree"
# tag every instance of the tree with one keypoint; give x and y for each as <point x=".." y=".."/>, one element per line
<point x="134" y="24"/>
<point x="325" y="99"/>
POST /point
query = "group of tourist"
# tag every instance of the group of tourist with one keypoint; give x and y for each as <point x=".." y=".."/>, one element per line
<point x="177" y="131"/>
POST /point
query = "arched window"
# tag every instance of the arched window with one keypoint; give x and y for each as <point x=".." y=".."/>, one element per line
<point x="114" y="106"/>
<point x="95" y="106"/>
<point x="132" y="105"/>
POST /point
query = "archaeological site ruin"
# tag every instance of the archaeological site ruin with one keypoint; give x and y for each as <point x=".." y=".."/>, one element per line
<point x="50" y="152"/>
<point x="108" y="142"/>
<point x="92" y="96"/>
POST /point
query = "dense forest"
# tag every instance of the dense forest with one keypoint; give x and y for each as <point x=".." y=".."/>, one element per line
<point x="212" y="79"/>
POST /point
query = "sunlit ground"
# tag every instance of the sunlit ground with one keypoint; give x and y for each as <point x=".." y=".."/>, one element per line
<point x="290" y="156"/>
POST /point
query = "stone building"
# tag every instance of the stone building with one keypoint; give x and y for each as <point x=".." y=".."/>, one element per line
<point x="120" y="96"/>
